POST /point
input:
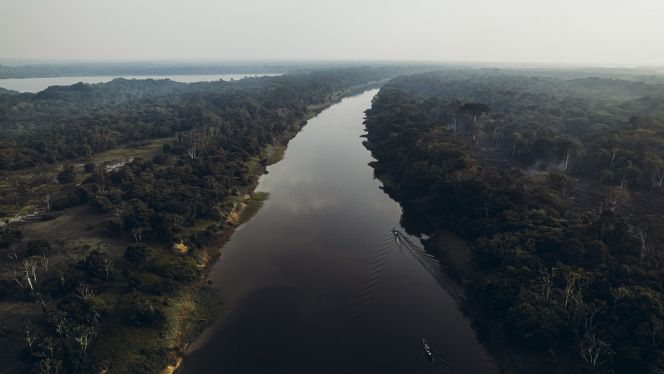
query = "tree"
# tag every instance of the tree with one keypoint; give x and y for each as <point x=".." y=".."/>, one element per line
<point x="83" y="335"/>
<point x="67" y="175"/>
<point x="30" y="265"/>
<point x="517" y="141"/>
<point x="613" y="197"/>
<point x="59" y="319"/>
<point x="144" y="314"/>
<point x="568" y="147"/>
<point x="591" y="348"/>
<point x="52" y="356"/>
<point x="472" y="111"/>
<point x="136" y="253"/>
<point x="44" y="260"/>
<point x="618" y="294"/>
<point x="85" y="292"/>
<point x="561" y="182"/>
<point x="650" y="234"/>
<point x="31" y="332"/>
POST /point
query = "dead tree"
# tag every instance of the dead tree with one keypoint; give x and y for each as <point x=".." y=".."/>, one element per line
<point x="25" y="273"/>
<point x="32" y="333"/>
<point x="17" y="276"/>
<point x="44" y="261"/>
<point x="83" y="335"/>
<point x="85" y="292"/>
<point x="592" y="348"/>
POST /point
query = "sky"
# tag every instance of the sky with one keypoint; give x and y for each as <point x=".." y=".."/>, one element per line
<point x="527" y="31"/>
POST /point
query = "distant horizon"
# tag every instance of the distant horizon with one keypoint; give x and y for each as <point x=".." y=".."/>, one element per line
<point x="18" y="62"/>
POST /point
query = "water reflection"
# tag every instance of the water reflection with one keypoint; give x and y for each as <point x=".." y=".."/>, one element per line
<point x="316" y="281"/>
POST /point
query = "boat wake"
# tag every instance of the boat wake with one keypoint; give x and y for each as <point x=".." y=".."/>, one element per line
<point x="373" y="291"/>
<point x="437" y="270"/>
<point x="439" y="365"/>
<point x="372" y="288"/>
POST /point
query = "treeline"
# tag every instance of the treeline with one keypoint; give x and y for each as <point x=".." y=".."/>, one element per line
<point x="586" y="286"/>
<point x="120" y="69"/>
<point x="4" y="91"/>
<point x="63" y="123"/>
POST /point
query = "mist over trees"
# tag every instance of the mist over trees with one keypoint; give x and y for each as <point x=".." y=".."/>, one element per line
<point x="69" y="122"/>
<point x="42" y="70"/>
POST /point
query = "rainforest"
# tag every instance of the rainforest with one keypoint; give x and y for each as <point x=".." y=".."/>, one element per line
<point x="557" y="184"/>
<point x="508" y="220"/>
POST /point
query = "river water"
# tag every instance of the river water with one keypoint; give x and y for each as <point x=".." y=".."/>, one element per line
<point x="317" y="283"/>
<point x="35" y="85"/>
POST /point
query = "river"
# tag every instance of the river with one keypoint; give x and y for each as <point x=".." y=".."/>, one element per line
<point x="39" y="84"/>
<point x="317" y="283"/>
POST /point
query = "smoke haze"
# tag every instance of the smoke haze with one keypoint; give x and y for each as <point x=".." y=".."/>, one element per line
<point x="542" y="31"/>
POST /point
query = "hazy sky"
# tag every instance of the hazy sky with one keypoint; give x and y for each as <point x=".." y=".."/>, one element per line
<point x="556" y="31"/>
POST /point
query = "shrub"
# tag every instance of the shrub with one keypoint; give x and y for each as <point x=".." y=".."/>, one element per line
<point x="153" y="360"/>
<point x="48" y="216"/>
<point x="97" y="265"/>
<point x="134" y="282"/>
<point x="164" y="288"/>
<point x="9" y="237"/>
<point x="181" y="270"/>
<point x="114" y="226"/>
<point x="102" y="203"/>
<point x="160" y="159"/>
<point x="36" y="247"/>
<point x="136" y="253"/>
<point x="144" y="314"/>
<point x="71" y="200"/>
<point x="67" y="175"/>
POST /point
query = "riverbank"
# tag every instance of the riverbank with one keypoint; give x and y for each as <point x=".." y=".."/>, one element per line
<point x="269" y="155"/>
<point x="507" y="251"/>
<point x="318" y="274"/>
<point x="148" y="299"/>
<point x="457" y="254"/>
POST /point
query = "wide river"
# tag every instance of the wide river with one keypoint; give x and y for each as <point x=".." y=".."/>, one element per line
<point x="317" y="282"/>
<point x="35" y="85"/>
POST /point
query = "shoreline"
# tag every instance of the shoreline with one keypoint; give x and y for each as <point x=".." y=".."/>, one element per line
<point x="456" y="252"/>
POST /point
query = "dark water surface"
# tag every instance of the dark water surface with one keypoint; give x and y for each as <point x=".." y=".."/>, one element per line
<point x="317" y="283"/>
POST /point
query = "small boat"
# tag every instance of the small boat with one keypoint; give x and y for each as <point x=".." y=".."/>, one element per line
<point x="394" y="231"/>
<point x="427" y="350"/>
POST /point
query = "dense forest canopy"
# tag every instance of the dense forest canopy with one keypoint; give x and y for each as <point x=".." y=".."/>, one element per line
<point x="494" y="156"/>
<point x="610" y="129"/>
<point x="67" y="122"/>
<point x="508" y="159"/>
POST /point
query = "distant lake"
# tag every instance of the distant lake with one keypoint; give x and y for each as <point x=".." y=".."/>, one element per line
<point x="40" y="84"/>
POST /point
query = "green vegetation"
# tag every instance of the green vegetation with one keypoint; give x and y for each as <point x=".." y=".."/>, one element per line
<point x="253" y="205"/>
<point x="207" y="305"/>
<point x="279" y="152"/>
<point x="130" y="243"/>
<point x="572" y="269"/>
